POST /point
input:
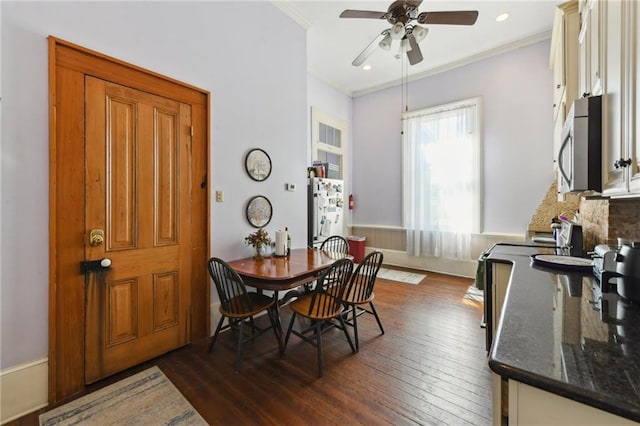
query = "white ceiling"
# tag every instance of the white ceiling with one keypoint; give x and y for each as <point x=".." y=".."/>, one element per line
<point x="333" y="43"/>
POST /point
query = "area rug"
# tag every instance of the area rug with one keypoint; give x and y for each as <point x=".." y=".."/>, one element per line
<point x="401" y="276"/>
<point x="146" y="398"/>
<point x="473" y="293"/>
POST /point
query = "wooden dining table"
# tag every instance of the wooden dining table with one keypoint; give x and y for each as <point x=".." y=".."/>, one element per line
<point x="278" y="274"/>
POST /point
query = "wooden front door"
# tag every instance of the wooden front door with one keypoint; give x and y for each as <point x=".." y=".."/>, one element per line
<point x="137" y="186"/>
<point x="129" y="156"/>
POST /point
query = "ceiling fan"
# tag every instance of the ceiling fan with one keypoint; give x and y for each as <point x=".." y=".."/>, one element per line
<point x="399" y="15"/>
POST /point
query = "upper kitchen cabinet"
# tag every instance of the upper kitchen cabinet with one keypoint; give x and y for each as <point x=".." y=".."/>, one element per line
<point x="589" y="80"/>
<point x="619" y="59"/>
<point x="633" y="145"/>
<point x="564" y="63"/>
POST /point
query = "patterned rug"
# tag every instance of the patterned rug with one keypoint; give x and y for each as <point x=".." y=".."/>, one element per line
<point x="401" y="276"/>
<point x="473" y="293"/>
<point x="145" y="398"/>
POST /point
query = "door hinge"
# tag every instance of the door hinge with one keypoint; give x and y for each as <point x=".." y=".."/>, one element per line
<point x="191" y="131"/>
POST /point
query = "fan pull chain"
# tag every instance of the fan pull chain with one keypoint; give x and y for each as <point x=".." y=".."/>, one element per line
<point x="404" y="90"/>
<point x="404" y="85"/>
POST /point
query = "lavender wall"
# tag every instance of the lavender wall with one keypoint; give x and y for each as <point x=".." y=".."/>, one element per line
<point x="516" y="89"/>
<point x="256" y="73"/>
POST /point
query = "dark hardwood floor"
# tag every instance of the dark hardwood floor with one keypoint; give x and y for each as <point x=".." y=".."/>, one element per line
<point x="429" y="368"/>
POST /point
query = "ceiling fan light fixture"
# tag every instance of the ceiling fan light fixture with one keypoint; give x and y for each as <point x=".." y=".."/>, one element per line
<point x="397" y="31"/>
<point x="419" y="33"/>
<point x="385" y="43"/>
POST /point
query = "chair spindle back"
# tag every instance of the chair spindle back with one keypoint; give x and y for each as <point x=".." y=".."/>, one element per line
<point x="231" y="289"/>
<point x="326" y="299"/>
<point x="335" y="244"/>
<point x="363" y="278"/>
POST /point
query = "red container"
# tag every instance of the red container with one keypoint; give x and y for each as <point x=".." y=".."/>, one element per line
<point x="356" y="247"/>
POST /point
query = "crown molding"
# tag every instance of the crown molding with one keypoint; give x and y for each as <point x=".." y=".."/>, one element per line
<point x="459" y="63"/>
<point x="292" y="13"/>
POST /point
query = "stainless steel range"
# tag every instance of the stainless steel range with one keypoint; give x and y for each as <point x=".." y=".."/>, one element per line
<point x="604" y="265"/>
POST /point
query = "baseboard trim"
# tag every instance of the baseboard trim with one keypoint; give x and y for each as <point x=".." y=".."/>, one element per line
<point x="215" y="316"/>
<point x="457" y="267"/>
<point x="24" y="389"/>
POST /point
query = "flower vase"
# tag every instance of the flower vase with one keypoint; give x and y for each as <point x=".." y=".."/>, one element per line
<point x="259" y="252"/>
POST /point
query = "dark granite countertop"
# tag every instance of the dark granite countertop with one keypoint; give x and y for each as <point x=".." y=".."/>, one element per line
<point x="559" y="333"/>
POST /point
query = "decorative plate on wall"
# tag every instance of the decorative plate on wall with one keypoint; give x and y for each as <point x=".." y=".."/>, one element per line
<point x="259" y="211"/>
<point x="258" y="164"/>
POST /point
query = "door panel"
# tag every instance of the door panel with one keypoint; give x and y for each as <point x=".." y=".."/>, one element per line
<point x="137" y="191"/>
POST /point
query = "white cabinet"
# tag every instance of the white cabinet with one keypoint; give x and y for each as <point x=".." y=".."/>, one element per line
<point x="633" y="142"/>
<point x="563" y="61"/>
<point x="613" y="143"/>
<point x="620" y="56"/>
<point x="532" y="406"/>
<point x="500" y="276"/>
<point x="609" y="65"/>
<point x="500" y="399"/>
<point x="589" y="59"/>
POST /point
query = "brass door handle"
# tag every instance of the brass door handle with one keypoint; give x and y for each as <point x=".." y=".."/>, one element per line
<point x="96" y="237"/>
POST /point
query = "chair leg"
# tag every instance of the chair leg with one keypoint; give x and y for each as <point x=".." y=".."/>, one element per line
<point x="286" y="339"/>
<point x="215" y="335"/>
<point x="274" y="323"/>
<point x="355" y="326"/>
<point x="319" y="347"/>
<point x="373" y="309"/>
<point x="239" y="349"/>
<point x="346" y="333"/>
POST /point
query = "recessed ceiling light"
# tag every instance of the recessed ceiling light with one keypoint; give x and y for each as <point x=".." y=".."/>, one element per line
<point x="366" y="67"/>
<point x="502" y="17"/>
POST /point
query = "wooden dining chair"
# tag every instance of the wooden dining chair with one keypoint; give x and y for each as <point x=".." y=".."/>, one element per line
<point x="335" y="244"/>
<point x="238" y="305"/>
<point x="322" y="306"/>
<point x="359" y="293"/>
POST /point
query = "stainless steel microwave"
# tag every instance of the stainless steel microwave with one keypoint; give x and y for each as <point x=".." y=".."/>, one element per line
<point x="580" y="154"/>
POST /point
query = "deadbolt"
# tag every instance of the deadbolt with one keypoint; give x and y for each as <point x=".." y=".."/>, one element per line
<point x="96" y="237"/>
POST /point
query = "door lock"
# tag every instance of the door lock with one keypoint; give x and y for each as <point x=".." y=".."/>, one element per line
<point x="95" y="265"/>
<point x="96" y="237"/>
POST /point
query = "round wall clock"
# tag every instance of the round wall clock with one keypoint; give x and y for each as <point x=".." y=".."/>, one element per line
<point x="259" y="211"/>
<point x="258" y="164"/>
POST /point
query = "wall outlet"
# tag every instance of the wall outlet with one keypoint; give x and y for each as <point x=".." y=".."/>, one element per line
<point x="290" y="186"/>
<point x="219" y="196"/>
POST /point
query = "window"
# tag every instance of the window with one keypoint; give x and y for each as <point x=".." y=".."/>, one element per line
<point x="329" y="143"/>
<point x="442" y="179"/>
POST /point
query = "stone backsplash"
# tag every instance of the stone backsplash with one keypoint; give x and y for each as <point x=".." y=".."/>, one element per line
<point x="603" y="219"/>
<point x="550" y="207"/>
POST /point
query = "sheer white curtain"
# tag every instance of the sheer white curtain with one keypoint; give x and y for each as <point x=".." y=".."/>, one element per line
<point x="441" y="179"/>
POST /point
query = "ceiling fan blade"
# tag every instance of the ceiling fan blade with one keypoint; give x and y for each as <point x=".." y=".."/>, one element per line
<point x="405" y="4"/>
<point x="359" y="60"/>
<point x="363" y="14"/>
<point x="459" y="17"/>
<point x="414" y="55"/>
